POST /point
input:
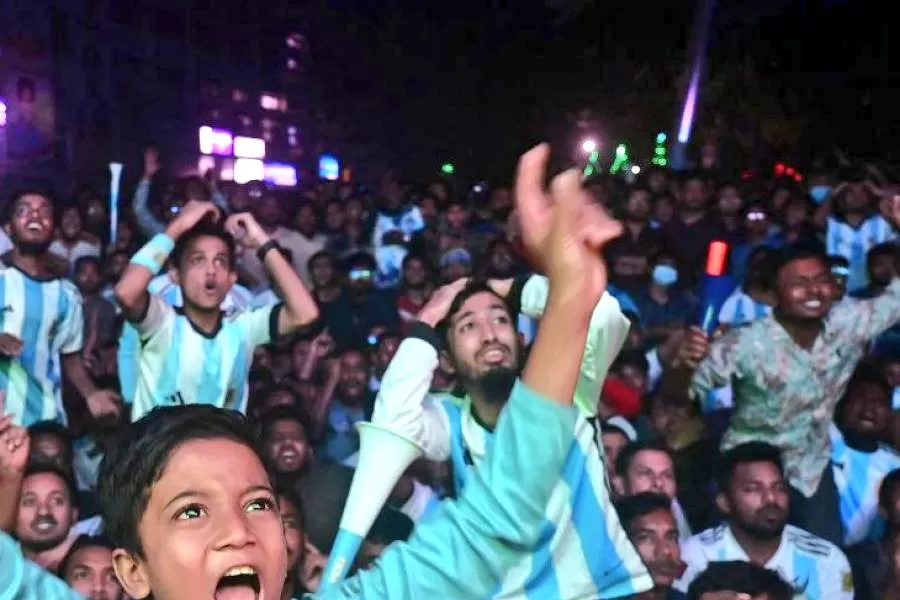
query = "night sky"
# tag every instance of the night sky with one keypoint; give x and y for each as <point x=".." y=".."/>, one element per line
<point x="416" y="83"/>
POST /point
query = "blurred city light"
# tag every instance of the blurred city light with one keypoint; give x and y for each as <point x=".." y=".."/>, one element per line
<point x="589" y="146"/>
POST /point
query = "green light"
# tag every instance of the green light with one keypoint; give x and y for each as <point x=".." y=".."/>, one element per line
<point x="621" y="150"/>
<point x="659" y="151"/>
<point x="448" y="168"/>
<point x="594" y="157"/>
<point x="663" y="162"/>
<point x="661" y="138"/>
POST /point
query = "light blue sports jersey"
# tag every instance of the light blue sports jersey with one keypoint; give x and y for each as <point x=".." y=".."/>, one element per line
<point x="128" y="354"/>
<point x="816" y="568"/>
<point x="47" y="316"/>
<point x="583" y="551"/>
<point x="181" y="365"/>
<point x="21" y="579"/>
<point x="853" y="244"/>
<point x="858" y="476"/>
<point x="739" y="309"/>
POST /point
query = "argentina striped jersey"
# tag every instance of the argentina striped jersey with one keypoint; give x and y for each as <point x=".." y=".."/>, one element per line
<point x="858" y="476"/>
<point x="182" y="365"/>
<point x="583" y="551"/>
<point x="841" y="239"/>
<point x="739" y="308"/>
<point x="816" y="568"/>
<point x="46" y="315"/>
<point x="163" y="286"/>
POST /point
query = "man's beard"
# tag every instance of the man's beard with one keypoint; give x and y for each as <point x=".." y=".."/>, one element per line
<point x="495" y="385"/>
<point x="41" y="545"/>
<point x="32" y="248"/>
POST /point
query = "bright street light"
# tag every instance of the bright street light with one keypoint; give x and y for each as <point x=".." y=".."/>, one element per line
<point x="635" y="170"/>
<point x="589" y="146"/>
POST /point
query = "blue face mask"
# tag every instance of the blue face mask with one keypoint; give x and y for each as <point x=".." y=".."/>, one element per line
<point x="664" y="275"/>
<point x="820" y="193"/>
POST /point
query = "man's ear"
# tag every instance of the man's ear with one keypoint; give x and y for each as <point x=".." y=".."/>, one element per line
<point x="446" y="363"/>
<point x="131" y="573"/>
<point x="618" y="485"/>
<point x="173" y="274"/>
<point x="722" y="504"/>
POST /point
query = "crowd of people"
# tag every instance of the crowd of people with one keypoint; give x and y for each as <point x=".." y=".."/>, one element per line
<point x="757" y="461"/>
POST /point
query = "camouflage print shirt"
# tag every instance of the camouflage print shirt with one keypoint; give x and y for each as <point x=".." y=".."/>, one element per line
<point x="784" y="394"/>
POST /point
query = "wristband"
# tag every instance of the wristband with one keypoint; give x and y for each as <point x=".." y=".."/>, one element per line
<point x="154" y="253"/>
<point x="265" y="248"/>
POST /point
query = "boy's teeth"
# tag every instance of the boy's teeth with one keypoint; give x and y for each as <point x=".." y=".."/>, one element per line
<point x="235" y="571"/>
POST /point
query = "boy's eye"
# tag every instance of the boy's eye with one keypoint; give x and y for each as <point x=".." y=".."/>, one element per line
<point x="261" y="504"/>
<point x="188" y="513"/>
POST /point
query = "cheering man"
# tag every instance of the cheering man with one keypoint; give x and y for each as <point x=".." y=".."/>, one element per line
<point x="41" y="322"/>
<point x="196" y="353"/>
<point x="583" y="551"/>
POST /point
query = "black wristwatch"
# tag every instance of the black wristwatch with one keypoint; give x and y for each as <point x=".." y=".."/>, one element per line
<point x="265" y="248"/>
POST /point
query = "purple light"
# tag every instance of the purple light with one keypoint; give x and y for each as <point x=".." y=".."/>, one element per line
<point x="2" y="112"/>
<point x="216" y="141"/>
<point x="280" y="174"/>
<point x="690" y="105"/>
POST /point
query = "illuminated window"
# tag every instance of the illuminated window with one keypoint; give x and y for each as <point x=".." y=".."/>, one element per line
<point x="204" y="164"/>
<point x="292" y="64"/>
<point x="292" y="130"/>
<point x="273" y="102"/>
<point x="248" y="169"/>
<point x="280" y="174"/>
<point x="2" y="112"/>
<point x="296" y="41"/>
<point x="247" y="147"/>
<point x="239" y="95"/>
<point x="215" y="141"/>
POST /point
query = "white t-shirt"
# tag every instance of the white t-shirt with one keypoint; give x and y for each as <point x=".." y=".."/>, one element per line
<point x="816" y="568"/>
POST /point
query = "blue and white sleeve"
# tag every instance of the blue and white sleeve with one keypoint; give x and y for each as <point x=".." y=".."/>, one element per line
<point x="466" y="547"/>
<point x="21" y="579"/>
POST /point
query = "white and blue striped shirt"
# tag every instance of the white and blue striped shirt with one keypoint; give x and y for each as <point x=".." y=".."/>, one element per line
<point x="182" y="365"/>
<point x="739" y="309"/>
<point x="853" y="244"/>
<point x="583" y="551"/>
<point x="47" y="316"/>
<point x="238" y="298"/>
<point x="858" y="476"/>
<point x="816" y="568"/>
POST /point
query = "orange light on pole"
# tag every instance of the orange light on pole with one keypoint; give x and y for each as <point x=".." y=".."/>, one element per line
<point x="715" y="258"/>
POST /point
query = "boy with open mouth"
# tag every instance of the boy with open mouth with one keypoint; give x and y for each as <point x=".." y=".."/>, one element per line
<point x="188" y="501"/>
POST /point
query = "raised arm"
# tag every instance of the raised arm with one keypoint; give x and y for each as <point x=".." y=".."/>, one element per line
<point x="403" y="403"/>
<point x="131" y="290"/>
<point x="464" y="549"/>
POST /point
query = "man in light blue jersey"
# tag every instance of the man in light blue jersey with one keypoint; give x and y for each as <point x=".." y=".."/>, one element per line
<point x="166" y="287"/>
<point x="41" y="322"/>
<point x="197" y="353"/>
<point x="583" y="551"/>
<point x="859" y="459"/>
<point x="754" y="498"/>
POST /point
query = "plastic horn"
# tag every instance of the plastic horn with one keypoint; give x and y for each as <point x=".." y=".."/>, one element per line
<point x="384" y="456"/>
<point x="115" y="176"/>
<point x="713" y="286"/>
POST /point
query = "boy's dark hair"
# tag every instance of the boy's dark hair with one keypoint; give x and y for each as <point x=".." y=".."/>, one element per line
<point x="749" y="452"/>
<point x="475" y="285"/>
<point x="626" y="456"/>
<point x="83" y="541"/>
<point x="205" y="228"/>
<point x="52" y="428"/>
<point x="19" y="193"/>
<point x="890" y="485"/>
<point x="42" y="468"/>
<point x="362" y="260"/>
<point x="641" y="505"/>
<point x="741" y="577"/>
<point x="883" y="249"/>
<point x="132" y="466"/>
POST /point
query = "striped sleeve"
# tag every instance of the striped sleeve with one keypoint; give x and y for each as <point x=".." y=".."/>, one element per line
<point x="71" y="329"/>
<point x="466" y="547"/>
<point x="21" y="579"/>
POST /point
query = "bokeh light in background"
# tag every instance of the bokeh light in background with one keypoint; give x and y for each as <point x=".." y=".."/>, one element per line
<point x="589" y="146"/>
<point x="2" y="112"/>
<point x="329" y="167"/>
<point x="448" y="168"/>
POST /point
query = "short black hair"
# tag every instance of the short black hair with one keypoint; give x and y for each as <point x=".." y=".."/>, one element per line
<point x="34" y="190"/>
<point x="42" y="468"/>
<point x="882" y="249"/>
<point x="283" y="413"/>
<point x="788" y="254"/>
<point x="865" y="372"/>
<point x="626" y="456"/>
<point x="360" y="259"/>
<point x="85" y="260"/>
<point x="741" y="577"/>
<point x="475" y="285"/>
<point x="83" y="541"/>
<point x="631" y="358"/>
<point x="53" y="428"/>
<point x="205" y="228"/>
<point x="742" y="454"/>
<point x="890" y="485"/>
<point x="132" y="466"/>
<point x="640" y="505"/>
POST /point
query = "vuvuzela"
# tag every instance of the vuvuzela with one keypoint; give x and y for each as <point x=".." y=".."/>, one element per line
<point x="384" y="455"/>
